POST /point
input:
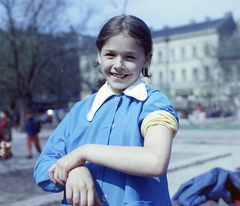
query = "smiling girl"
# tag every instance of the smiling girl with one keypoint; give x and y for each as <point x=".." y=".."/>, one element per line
<point x="113" y="148"/>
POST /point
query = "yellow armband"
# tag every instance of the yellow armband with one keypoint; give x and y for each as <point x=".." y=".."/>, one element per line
<point x="159" y="118"/>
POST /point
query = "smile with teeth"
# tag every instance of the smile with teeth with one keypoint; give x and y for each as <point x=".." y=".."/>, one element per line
<point x="119" y="75"/>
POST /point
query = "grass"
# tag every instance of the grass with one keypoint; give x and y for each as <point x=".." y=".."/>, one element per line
<point x="219" y="126"/>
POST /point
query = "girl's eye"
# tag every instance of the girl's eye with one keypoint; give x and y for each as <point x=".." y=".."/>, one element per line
<point x="130" y="57"/>
<point x="109" y="55"/>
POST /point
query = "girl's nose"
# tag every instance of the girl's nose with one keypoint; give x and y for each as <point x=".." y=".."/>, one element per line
<point x="118" y="63"/>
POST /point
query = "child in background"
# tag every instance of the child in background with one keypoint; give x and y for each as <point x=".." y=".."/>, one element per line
<point x="113" y="148"/>
<point x="33" y="126"/>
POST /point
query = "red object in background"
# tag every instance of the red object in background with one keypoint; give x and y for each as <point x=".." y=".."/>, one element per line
<point x="236" y="202"/>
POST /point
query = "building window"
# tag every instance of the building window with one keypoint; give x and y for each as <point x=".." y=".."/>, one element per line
<point x="194" y="52"/>
<point x="207" y="49"/>
<point x="207" y="73"/>
<point x="195" y="75"/>
<point x="184" y="75"/>
<point x="172" y="54"/>
<point x="173" y="76"/>
<point x="160" y="77"/>
<point x="183" y="55"/>
<point x="159" y="56"/>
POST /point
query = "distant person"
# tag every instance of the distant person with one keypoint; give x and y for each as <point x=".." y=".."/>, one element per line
<point x="5" y="148"/>
<point x="15" y="117"/>
<point x="114" y="147"/>
<point x="33" y="126"/>
<point x="5" y="129"/>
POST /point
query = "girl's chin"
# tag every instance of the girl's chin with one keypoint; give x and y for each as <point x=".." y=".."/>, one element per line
<point x="118" y="87"/>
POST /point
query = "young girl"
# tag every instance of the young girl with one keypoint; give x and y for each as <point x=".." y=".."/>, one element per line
<point x="113" y="148"/>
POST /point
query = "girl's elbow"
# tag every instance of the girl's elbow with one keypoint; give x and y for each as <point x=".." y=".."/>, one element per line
<point x="158" y="172"/>
<point x="158" y="169"/>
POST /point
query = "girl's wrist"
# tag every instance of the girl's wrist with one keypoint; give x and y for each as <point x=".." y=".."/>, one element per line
<point x="84" y="153"/>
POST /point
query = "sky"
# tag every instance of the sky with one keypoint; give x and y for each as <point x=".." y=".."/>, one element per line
<point x="155" y="13"/>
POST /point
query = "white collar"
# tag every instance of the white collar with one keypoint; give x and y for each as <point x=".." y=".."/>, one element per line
<point x="137" y="90"/>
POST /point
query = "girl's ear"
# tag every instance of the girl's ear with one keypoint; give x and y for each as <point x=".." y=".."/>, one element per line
<point x="99" y="56"/>
<point x="148" y="60"/>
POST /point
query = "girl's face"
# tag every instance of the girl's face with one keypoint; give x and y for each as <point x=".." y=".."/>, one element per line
<point x="122" y="60"/>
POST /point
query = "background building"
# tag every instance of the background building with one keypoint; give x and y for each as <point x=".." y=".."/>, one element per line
<point x="185" y="63"/>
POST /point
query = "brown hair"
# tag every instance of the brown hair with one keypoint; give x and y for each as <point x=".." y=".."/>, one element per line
<point x="135" y="27"/>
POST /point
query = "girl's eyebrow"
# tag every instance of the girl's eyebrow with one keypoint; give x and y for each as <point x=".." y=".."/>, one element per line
<point x="132" y="52"/>
<point x="108" y="50"/>
<point x="127" y="52"/>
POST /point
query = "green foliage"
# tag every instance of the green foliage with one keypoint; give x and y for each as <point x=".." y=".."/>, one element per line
<point x="212" y="126"/>
<point x="33" y="62"/>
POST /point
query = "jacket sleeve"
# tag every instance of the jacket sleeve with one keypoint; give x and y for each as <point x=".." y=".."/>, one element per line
<point x="54" y="149"/>
<point x="157" y="101"/>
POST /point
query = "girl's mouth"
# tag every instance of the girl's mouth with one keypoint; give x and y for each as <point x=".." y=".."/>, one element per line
<point x="119" y="75"/>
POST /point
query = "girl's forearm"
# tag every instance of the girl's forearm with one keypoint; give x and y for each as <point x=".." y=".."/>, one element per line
<point x="150" y="160"/>
<point x="138" y="161"/>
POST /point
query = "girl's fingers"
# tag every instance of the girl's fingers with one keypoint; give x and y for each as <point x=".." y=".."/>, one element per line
<point x="51" y="172"/>
<point x="56" y="176"/>
<point x="62" y="175"/>
<point x="69" y="195"/>
<point x="76" y="198"/>
<point x="91" y="197"/>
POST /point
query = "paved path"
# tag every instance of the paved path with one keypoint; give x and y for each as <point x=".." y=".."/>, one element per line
<point x="197" y="151"/>
<point x="194" y="152"/>
<point x="17" y="186"/>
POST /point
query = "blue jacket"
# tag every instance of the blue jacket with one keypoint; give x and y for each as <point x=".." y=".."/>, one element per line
<point x="116" y="122"/>
<point x="33" y="126"/>
<point x="212" y="185"/>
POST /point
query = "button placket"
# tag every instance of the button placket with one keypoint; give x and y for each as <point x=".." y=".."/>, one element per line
<point x="117" y="97"/>
<point x="112" y="126"/>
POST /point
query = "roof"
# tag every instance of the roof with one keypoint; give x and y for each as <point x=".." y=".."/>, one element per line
<point x="214" y="24"/>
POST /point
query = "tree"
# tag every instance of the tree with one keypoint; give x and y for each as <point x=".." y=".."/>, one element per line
<point x="228" y="55"/>
<point x="59" y="80"/>
<point x="31" y="54"/>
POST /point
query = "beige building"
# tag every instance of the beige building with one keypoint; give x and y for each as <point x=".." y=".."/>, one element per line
<point x="185" y="63"/>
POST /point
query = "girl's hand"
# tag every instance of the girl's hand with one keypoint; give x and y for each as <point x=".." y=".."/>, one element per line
<point x="80" y="188"/>
<point x="58" y="173"/>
